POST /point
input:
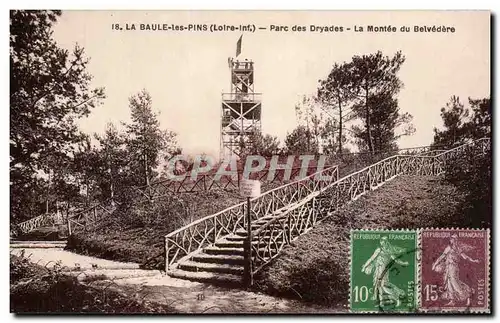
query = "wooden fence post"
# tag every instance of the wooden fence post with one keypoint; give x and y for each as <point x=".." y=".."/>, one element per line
<point x="247" y="247"/>
<point x="166" y="255"/>
<point x="69" y="226"/>
<point x="215" y="228"/>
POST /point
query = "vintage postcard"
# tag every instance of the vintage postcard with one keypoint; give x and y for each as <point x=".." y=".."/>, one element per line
<point x="262" y="162"/>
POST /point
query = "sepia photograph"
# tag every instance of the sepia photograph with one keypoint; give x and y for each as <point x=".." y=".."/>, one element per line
<point x="250" y="162"/>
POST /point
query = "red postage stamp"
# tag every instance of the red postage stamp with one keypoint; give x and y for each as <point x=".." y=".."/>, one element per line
<point x="454" y="270"/>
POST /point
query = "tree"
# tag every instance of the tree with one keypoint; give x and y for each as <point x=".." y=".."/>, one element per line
<point x="335" y="94"/>
<point x="374" y="78"/>
<point x="462" y="123"/>
<point x="262" y="145"/>
<point x="470" y="171"/>
<point x="455" y="117"/>
<point x="480" y="123"/>
<point x="83" y="166"/>
<point x="299" y="142"/>
<point x="310" y="118"/>
<point x="49" y="90"/>
<point x="145" y="140"/>
<point x="111" y="162"/>
<point x="386" y="119"/>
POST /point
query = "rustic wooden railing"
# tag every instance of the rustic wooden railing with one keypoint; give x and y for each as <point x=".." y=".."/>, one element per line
<point x="93" y="214"/>
<point x="36" y="222"/>
<point x="207" y="230"/>
<point x="207" y="182"/>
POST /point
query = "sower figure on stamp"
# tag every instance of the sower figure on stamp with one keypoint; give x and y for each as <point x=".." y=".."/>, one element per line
<point x="448" y="263"/>
<point x="379" y="263"/>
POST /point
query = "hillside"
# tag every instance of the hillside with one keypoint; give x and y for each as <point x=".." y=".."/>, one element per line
<point x="136" y="234"/>
<point x="315" y="267"/>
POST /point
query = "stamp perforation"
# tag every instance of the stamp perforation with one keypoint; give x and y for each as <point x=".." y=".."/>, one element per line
<point x="414" y="274"/>
<point x="487" y="248"/>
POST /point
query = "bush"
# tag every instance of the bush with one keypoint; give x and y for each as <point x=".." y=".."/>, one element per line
<point x="136" y="232"/>
<point x="470" y="173"/>
<point x="35" y="289"/>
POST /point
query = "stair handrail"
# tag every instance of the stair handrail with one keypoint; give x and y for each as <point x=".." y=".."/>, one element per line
<point x="230" y="219"/>
<point x="208" y="217"/>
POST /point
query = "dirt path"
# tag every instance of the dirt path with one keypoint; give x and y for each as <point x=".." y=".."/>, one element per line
<point x="152" y="285"/>
<point x="192" y="297"/>
<point x="49" y="257"/>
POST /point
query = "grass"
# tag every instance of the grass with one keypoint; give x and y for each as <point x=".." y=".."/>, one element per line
<point x="136" y="234"/>
<point x="35" y="289"/>
<point x="315" y="268"/>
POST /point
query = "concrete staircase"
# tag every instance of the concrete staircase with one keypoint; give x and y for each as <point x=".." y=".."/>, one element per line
<point x="221" y="263"/>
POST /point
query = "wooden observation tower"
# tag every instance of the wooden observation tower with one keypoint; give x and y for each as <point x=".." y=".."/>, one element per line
<point x="241" y="110"/>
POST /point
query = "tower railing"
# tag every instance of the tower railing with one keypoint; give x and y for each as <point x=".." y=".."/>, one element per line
<point x="240" y="96"/>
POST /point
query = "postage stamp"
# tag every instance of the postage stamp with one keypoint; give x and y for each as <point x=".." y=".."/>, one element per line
<point x="454" y="272"/>
<point x="383" y="271"/>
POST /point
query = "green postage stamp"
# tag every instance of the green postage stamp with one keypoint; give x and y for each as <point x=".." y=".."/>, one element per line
<point x="383" y="271"/>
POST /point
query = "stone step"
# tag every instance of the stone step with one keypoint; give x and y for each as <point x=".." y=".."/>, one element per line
<point x="229" y="243"/>
<point x="236" y="243"/>
<point x="37" y="244"/>
<point x="110" y="274"/>
<point x="207" y="277"/>
<point x="243" y="233"/>
<point x="211" y="267"/>
<point x="212" y="250"/>
<point x="14" y="242"/>
<point x="219" y="259"/>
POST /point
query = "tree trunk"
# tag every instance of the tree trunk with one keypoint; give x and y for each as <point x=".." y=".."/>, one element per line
<point x="340" y="125"/>
<point x="111" y="181"/>
<point x="146" y="177"/>
<point x="48" y="194"/>
<point x="87" y="195"/>
<point x="368" y="122"/>
<point x="111" y="187"/>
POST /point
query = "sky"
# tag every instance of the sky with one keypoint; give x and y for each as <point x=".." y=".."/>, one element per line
<point x="186" y="72"/>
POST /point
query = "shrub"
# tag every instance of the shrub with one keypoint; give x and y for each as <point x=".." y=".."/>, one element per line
<point x="36" y="289"/>
<point x="470" y="173"/>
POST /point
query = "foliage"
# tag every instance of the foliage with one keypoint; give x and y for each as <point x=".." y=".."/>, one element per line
<point x="301" y="141"/>
<point x="260" y="144"/>
<point x="49" y="90"/>
<point x="145" y="140"/>
<point x="335" y="94"/>
<point x="376" y="83"/>
<point x="363" y="90"/>
<point x="471" y="170"/>
<point x="112" y="163"/>
<point x="471" y="174"/>
<point x="385" y="118"/>
<point x="462" y="123"/>
<point x="454" y="117"/>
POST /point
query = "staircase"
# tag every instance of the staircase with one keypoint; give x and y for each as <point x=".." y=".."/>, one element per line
<point x="223" y="262"/>
<point x="211" y="249"/>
